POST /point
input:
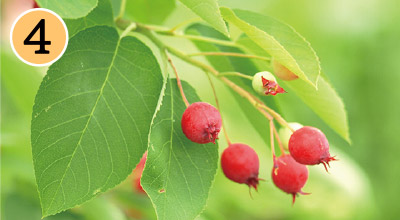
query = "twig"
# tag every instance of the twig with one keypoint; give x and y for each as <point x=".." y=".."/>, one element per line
<point x="229" y="55"/>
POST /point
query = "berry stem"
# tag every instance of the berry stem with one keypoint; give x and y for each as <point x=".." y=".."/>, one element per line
<point x="229" y="55"/>
<point x="279" y="141"/>
<point x="278" y="117"/>
<point x="235" y="74"/>
<point x="178" y="80"/>
<point x="182" y="24"/>
<point x="208" y="39"/>
<point x="271" y="132"/>
<point x="219" y="108"/>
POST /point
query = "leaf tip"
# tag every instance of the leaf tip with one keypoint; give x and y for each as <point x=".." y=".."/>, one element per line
<point x="347" y="138"/>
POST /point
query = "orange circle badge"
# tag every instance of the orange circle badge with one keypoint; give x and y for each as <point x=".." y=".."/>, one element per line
<point x="39" y="37"/>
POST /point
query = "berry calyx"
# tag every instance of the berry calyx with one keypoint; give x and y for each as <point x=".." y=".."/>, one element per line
<point x="137" y="175"/>
<point x="289" y="176"/>
<point x="201" y="123"/>
<point x="264" y="83"/>
<point x="308" y="145"/>
<point x="240" y="164"/>
<point x="282" y="72"/>
<point x="285" y="133"/>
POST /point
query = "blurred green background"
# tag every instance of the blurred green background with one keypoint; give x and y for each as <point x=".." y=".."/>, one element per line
<point x="358" y="42"/>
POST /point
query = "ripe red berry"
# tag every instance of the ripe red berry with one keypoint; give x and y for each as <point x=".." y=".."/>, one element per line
<point x="240" y="164"/>
<point x="309" y="146"/>
<point x="137" y="175"/>
<point x="282" y="72"/>
<point x="201" y="123"/>
<point x="289" y="176"/>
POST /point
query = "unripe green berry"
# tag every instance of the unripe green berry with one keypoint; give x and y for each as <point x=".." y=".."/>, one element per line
<point x="285" y="133"/>
<point x="264" y="83"/>
<point x="282" y="72"/>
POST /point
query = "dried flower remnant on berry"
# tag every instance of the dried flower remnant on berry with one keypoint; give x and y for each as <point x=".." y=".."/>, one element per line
<point x="271" y="87"/>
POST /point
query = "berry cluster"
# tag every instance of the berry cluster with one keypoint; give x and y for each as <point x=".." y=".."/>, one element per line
<point x="201" y="123"/>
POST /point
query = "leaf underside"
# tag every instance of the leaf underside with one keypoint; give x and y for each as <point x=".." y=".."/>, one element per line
<point x="209" y="11"/>
<point x="325" y="101"/>
<point x="280" y="41"/>
<point x="91" y="117"/>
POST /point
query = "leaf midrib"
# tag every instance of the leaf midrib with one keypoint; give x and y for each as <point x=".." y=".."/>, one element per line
<point x="87" y="123"/>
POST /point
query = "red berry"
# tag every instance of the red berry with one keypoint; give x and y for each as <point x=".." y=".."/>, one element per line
<point x="289" y="176"/>
<point x="137" y="175"/>
<point x="240" y="164"/>
<point x="201" y="123"/>
<point x="282" y="72"/>
<point x="308" y="145"/>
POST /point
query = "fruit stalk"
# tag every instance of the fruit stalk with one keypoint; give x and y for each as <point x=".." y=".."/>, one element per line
<point x="219" y="109"/>
<point x="279" y="141"/>
<point x="177" y="79"/>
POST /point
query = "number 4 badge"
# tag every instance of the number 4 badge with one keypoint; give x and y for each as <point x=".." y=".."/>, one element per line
<point x="39" y="37"/>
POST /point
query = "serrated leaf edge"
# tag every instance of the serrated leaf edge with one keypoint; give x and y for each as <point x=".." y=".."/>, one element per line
<point x="302" y="76"/>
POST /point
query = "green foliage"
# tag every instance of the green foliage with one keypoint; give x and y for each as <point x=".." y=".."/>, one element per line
<point x="325" y="101"/>
<point x="91" y="117"/>
<point x="100" y="15"/>
<point x="178" y="173"/>
<point x="69" y="8"/>
<point x="280" y="40"/>
<point x="15" y="81"/>
<point x="209" y="11"/>
<point x="150" y="11"/>
<point x="106" y="102"/>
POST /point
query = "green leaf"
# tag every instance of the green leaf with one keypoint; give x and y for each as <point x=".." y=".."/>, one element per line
<point x="69" y="8"/>
<point x="101" y="15"/>
<point x="92" y="116"/>
<point x="209" y="11"/>
<point x="280" y="40"/>
<point x="150" y="11"/>
<point x="179" y="173"/>
<point x="325" y="102"/>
